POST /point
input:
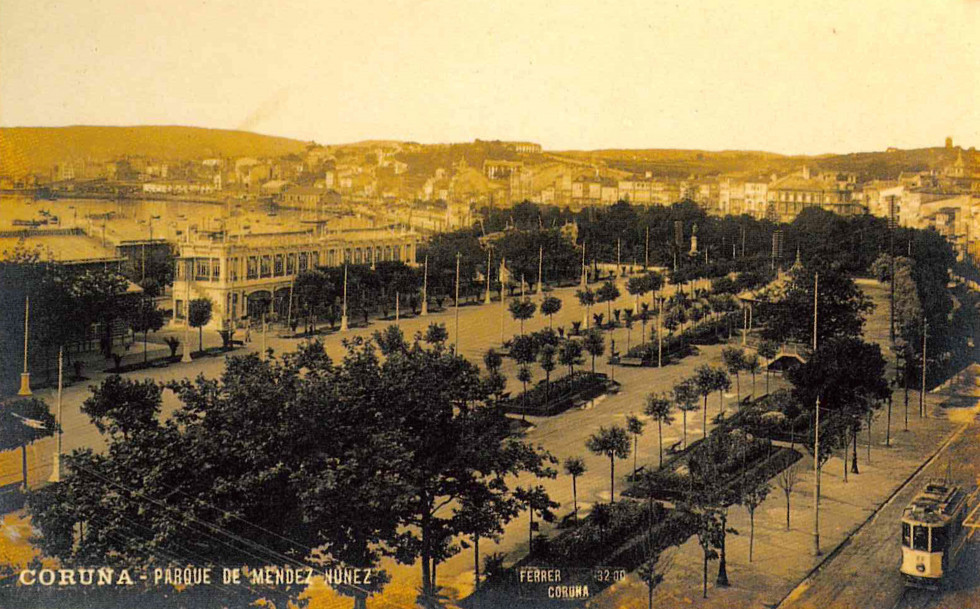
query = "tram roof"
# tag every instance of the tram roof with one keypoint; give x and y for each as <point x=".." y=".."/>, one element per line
<point x="935" y="503"/>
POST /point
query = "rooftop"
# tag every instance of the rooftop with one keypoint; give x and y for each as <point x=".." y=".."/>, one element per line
<point x="65" y="246"/>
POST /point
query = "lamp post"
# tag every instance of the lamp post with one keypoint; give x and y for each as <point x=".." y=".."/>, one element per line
<point x="540" y="271"/>
<point x="186" y="357"/>
<point x="486" y="299"/>
<point x="458" y="256"/>
<point x="56" y="462"/>
<point x="425" y="287"/>
<point x="343" y="313"/>
<point x="25" y="377"/>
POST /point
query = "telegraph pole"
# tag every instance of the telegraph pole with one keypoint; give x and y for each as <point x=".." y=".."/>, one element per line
<point x="891" y="255"/>
<point x="816" y="437"/>
<point x="486" y="300"/>
<point x="816" y="474"/>
<point x="922" y="389"/>
<point x="646" y="251"/>
<point x="458" y="255"/>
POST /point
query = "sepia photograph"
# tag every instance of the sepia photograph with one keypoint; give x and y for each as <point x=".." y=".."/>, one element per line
<point x="436" y="304"/>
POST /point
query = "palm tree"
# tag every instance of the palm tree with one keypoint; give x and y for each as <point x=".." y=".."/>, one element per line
<point x="613" y="442"/>
<point x="658" y="407"/>
<point x="635" y="425"/>
<point x="575" y="467"/>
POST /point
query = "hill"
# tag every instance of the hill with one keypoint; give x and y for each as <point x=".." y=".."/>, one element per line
<point x="36" y="149"/>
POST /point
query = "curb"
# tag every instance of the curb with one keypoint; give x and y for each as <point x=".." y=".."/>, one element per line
<point x="871" y="517"/>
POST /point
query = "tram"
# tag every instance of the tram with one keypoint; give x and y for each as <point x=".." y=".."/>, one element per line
<point x="933" y="534"/>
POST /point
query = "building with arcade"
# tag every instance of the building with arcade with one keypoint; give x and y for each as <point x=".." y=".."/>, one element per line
<point x="248" y="275"/>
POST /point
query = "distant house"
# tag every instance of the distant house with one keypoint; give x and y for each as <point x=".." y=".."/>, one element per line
<point x="274" y="187"/>
<point x="307" y="197"/>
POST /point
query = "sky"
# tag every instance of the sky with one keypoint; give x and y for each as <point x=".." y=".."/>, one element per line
<point x="788" y="76"/>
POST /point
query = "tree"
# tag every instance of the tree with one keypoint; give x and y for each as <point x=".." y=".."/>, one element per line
<point x="550" y="307"/>
<point x="752" y="497"/>
<point x="524" y="376"/>
<point x="145" y="317"/>
<point x="841" y="306"/>
<point x="752" y="367"/>
<point x="23" y="421"/>
<point x="575" y="467"/>
<point x="658" y="407"/>
<point x="199" y="314"/>
<point x="120" y="407"/>
<point x="768" y="350"/>
<point x="570" y="354"/>
<point x="436" y="335"/>
<point x="586" y="298"/>
<point x="708" y="498"/>
<point x="536" y="501"/>
<point x="546" y="359"/>
<point x="722" y="383"/>
<point x="848" y="376"/>
<point x="786" y="480"/>
<point x="735" y="361"/>
<point x="421" y="413"/>
<point x="594" y="344"/>
<point x="635" y="425"/>
<point x="705" y="381"/>
<point x="653" y="570"/>
<point x="628" y="319"/>
<point x="613" y="442"/>
<point x="686" y="395"/>
<point x="607" y="293"/>
<point x="636" y="286"/>
<point x="522" y="309"/>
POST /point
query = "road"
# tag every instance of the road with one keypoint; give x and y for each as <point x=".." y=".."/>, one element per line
<point x="864" y="573"/>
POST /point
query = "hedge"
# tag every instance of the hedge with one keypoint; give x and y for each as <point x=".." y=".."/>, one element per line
<point x="545" y="400"/>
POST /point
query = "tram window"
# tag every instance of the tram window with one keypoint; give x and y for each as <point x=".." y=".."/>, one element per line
<point x="906" y="535"/>
<point x="920" y="538"/>
<point x="939" y="539"/>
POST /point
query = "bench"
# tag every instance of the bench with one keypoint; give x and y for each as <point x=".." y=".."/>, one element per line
<point x="673" y="449"/>
<point x="631" y="361"/>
